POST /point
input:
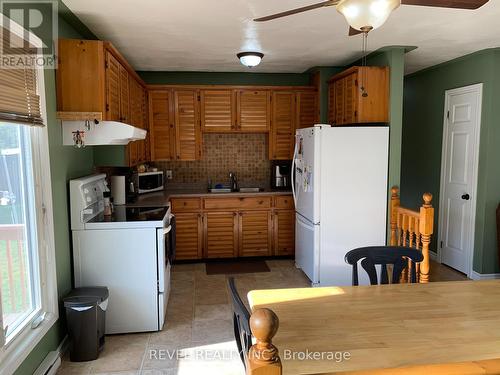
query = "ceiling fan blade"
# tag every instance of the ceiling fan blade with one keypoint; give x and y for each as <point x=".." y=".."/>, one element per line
<point x="458" y="4"/>
<point x="298" y="10"/>
<point x="353" y="31"/>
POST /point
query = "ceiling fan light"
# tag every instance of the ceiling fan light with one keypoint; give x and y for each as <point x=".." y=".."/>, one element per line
<point x="250" y="59"/>
<point x="367" y="14"/>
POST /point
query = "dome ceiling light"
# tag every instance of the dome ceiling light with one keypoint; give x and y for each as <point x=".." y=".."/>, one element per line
<point x="250" y="59"/>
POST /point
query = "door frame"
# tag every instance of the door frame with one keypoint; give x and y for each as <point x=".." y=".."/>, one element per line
<point x="476" y="88"/>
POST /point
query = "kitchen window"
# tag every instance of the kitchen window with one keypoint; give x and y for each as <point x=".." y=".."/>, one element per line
<point x="28" y="290"/>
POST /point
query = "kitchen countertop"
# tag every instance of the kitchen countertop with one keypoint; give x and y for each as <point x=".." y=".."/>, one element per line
<point x="161" y="198"/>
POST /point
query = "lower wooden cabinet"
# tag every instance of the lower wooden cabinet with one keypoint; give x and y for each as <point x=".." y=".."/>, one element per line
<point x="255" y="233"/>
<point x="221" y="235"/>
<point x="189" y="236"/>
<point x="234" y="226"/>
<point x="284" y="232"/>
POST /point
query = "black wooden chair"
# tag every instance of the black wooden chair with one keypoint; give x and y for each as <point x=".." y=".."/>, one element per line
<point x="241" y="322"/>
<point x="399" y="257"/>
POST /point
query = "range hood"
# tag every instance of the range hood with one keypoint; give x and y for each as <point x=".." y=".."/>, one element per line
<point x="97" y="133"/>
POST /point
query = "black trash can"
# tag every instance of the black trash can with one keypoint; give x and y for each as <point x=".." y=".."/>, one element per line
<point x="85" y="317"/>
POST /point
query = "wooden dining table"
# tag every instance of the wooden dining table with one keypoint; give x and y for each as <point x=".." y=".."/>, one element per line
<point x="385" y="326"/>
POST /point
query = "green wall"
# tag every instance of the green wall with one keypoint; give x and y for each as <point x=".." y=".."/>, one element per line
<point x="424" y="95"/>
<point x="393" y="57"/>
<point x="65" y="163"/>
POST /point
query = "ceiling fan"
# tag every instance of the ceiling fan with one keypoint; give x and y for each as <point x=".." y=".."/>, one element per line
<point x="366" y="15"/>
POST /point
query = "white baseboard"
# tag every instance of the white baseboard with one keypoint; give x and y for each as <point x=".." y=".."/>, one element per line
<point x="52" y="361"/>
<point x="484" y="276"/>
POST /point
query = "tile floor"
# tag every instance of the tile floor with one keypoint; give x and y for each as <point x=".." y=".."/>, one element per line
<point x="198" y="322"/>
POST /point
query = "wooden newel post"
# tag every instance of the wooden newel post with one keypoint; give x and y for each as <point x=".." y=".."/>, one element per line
<point x="426" y="231"/>
<point x="395" y="202"/>
<point x="263" y="358"/>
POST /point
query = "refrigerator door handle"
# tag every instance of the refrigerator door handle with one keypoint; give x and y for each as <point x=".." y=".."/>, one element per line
<point x="293" y="172"/>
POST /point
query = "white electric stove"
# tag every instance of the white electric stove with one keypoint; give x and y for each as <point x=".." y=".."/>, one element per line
<point x="130" y="252"/>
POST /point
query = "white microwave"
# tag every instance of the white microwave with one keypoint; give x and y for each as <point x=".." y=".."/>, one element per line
<point x="149" y="182"/>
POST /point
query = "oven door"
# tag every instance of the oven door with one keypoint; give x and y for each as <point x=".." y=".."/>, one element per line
<point x="164" y="245"/>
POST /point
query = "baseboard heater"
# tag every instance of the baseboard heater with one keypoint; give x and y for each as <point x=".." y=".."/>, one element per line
<point x="50" y="364"/>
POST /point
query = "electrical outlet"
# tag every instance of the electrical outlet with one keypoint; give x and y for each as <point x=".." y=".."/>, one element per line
<point x="169" y="174"/>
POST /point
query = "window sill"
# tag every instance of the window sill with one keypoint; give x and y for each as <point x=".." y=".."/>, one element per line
<point x="21" y="346"/>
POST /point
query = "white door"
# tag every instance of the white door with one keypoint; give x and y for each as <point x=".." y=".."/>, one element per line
<point x="459" y="176"/>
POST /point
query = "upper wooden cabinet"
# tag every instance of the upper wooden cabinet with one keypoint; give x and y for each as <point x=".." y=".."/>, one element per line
<point x="94" y="77"/>
<point x="161" y="125"/>
<point x="281" y="140"/>
<point x="175" y="124"/>
<point x="307" y="109"/>
<point x="218" y="110"/>
<point x="187" y="125"/>
<point x="253" y="111"/>
<point x="348" y="105"/>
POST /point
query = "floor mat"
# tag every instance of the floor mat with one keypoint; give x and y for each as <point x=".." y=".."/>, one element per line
<point x="235" y="267"/>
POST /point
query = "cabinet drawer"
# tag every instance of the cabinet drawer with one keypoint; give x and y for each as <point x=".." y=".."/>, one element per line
<point x="236" y="203"/>
<point x="284" y="202"/>
<point x="185" y="204"/>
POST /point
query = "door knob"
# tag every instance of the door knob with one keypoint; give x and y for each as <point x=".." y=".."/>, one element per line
<point x="466" y="197"/>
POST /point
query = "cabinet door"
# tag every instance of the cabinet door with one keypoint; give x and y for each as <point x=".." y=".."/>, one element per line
<point x="338" y="92"/>
<point x="350" y="98"/>
<point x="283" y="125"/>
<point x="217" y="110"/>
<point x="307" y="109"/>
<point x="142" y="121"/>
<point x="187" y="125"/>
<point x="254" y="112"/>
<point x="161" y="125"/>
<point x="221" y="235"/>
<point x="112" y="88"/>
<point x="284" y="232"/>
<point x="124" y="96"/>
<point x="188" y="236"/>
<point x="331" y="103"/>
<point x="255" y="233"/>
<point x="135" y="120"/>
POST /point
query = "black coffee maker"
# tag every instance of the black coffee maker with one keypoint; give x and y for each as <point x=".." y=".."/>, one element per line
<point x="281" y="173"/>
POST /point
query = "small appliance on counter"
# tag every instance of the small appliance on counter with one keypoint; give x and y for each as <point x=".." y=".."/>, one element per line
<point x="281" y="175"/>
<point x="123" y="189"/>
<point x="148" y="182"/>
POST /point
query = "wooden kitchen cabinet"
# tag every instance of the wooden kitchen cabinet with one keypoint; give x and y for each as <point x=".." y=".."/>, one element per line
<point x="218" y="110"/>
<point x="255" y="233"/>
<point x="234" y="226"/>
<point x="347" y="105"/>
<point x="281" y="139"/>
<point x="161" y="125"/>
<point x="221" y="234"/>
<point x="189" y="236"/>
<point x="307" y="109"/>
<point x="284" y="232"/>
<point x="253" y="111"/>
<point x="175" y="125"/>
<point x="93" y="79"/>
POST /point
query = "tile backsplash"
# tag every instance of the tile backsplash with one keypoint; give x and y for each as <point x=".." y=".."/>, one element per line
<point x="244" y="154"/>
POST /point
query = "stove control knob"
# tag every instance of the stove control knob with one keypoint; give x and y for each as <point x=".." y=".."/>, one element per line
<point x="89" y="199"/>
<point x="88" y="211"/>
<point x="85" y="191"/>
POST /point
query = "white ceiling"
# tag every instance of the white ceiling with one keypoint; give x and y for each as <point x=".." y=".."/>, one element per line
<point x="205" y="35"/>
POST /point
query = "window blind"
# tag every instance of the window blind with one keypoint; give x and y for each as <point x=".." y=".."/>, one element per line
<point x="19" y="101"/>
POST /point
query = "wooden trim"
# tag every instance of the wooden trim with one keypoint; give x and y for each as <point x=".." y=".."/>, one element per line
<point x="79" y="116"/>
<point x="234" y="87"/>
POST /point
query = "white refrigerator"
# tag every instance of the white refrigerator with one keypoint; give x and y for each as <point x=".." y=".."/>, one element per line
<point x="340" y="192"/>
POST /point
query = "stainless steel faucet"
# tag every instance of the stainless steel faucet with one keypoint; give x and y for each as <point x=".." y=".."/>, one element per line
<point x="233" y="181"/>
